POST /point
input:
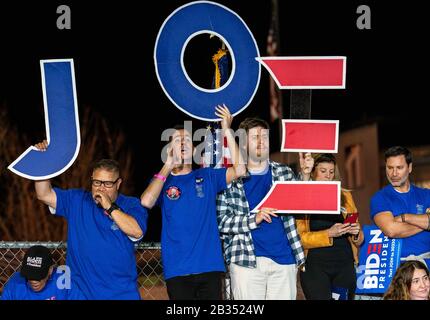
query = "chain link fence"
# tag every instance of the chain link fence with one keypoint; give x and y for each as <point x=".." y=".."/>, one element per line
<point x="148" y="260"/>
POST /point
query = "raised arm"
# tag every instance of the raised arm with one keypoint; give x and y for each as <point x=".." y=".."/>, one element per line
<point x="239" y="169"/>
<point x="306" y="166"/>
<point x="44" y="191"/>
<point x="152" y="192"/>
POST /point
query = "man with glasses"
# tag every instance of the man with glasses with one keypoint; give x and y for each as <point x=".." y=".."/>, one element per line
<point x="102" y="227"/>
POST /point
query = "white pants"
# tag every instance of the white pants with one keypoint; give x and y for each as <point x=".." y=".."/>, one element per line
<point x="268" y="281"/>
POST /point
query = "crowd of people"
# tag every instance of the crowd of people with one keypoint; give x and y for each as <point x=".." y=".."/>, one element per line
<point x="209" y="228"/>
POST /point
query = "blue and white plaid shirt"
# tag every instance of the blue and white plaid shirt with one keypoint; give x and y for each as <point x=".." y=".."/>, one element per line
<point x="235" y="221"/>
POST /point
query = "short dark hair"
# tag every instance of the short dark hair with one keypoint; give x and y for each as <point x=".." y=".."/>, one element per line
<point x="178" y="127"/>
<point x="106" y="164"/>
<point x="399" y="151"/>
<point x="250" y="123"/>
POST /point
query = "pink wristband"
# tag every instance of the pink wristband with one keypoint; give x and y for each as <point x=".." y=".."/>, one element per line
<point x="159" y="176"/>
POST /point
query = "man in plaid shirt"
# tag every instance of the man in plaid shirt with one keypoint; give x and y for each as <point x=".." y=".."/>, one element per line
<point x="262" y="250"/>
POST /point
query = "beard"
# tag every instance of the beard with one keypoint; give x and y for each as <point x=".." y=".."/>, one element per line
<point x="398" y="183"/>
<point x="259" y="156"/>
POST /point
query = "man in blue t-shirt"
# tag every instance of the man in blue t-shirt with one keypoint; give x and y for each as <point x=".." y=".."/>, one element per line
<point x="263" y="250"/>
<point x="190" y="244"/>
<point x="103" y="226"/>
<point x="39" y="279"/>
<point x="402" y="210"/>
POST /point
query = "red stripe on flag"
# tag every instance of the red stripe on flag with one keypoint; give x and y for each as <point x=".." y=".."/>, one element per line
<point x="310" y="136"/>
<point x="306" y="72"/>
<point x="309" y="197"/>
<point x="225" y="156"/>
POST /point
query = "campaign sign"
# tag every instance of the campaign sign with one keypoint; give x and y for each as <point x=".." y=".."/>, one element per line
<point x="178" y="29"/>
<point x="306" y="72"/>
<point x="309" y="197"/>
<point x="379" y="260"/>
<point x="62" y="124"/>
<point x="316" y="136"/>
<point x="199" y="17"/>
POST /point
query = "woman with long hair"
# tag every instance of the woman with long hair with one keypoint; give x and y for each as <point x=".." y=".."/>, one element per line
<point x="411" y="282"/>
<point x="330" y="241"/>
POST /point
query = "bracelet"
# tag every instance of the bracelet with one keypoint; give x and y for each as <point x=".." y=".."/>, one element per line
<point x="403" y="217"/>
<point x="160" y="177"/>
<point x="428" y="223"/>
<point x="113" y="207"/>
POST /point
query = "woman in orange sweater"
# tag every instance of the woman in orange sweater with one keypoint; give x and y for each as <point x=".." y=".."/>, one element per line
<point x="331" y="246"/>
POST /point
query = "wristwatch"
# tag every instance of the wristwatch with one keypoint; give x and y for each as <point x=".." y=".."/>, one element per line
<point x="113" y="207"/>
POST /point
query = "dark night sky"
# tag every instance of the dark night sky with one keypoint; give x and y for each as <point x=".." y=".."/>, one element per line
<point x="112" y="46"/>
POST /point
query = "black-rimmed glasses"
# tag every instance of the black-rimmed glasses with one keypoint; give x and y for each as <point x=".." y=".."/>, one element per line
<point x="106" y="184"/>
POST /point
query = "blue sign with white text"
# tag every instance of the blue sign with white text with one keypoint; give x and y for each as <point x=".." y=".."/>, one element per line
<point x="379" y="260"/>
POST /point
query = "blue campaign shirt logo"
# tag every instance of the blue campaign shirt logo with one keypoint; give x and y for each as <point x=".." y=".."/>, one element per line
<point x="420" y="208"/>
<point x="114" y="226"/>
<point x="173" y="193"/>
<point x="199" y="187"/>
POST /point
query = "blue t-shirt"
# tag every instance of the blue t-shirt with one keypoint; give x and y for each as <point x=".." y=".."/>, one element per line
<point x="270" y="239"/>
<point x="100" y="256"/>
<point x="190" y="241"/>
<point x="415" y="201"/>
<point x="18" y="288"/>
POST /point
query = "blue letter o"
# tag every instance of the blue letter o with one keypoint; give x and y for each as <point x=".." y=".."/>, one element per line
<point x="177" y="30"/>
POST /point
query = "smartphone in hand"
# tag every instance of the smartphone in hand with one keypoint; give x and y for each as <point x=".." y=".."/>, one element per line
<point x="351" y="217"/>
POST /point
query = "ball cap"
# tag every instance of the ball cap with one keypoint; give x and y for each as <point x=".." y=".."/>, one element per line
<point x="36" y="263"/>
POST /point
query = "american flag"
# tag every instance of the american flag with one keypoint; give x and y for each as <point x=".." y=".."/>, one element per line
<point x="273" y="50"/>
<point x="216" y="152"/>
